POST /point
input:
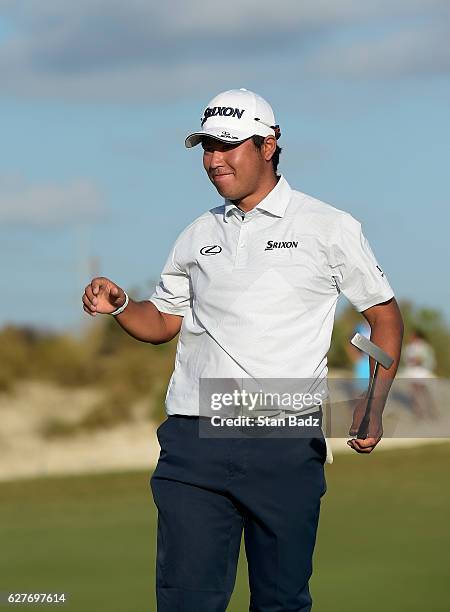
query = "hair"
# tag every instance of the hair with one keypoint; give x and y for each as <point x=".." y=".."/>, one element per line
<point x="258" y="141"/>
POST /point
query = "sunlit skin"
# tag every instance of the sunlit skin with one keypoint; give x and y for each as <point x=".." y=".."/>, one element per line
<point x="240" y="172"/>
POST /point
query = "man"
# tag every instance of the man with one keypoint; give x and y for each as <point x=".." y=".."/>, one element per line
<point x="252" y="284"/>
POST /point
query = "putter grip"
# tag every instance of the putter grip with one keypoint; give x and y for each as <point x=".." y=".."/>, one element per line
<point x="363" y="427"/>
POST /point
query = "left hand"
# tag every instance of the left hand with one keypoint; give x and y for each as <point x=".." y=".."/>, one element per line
<point x="375" y="431"/>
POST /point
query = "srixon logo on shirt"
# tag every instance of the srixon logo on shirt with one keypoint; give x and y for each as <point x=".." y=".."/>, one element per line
<point x="222" y="111"/>
<point x="293" y="244"/>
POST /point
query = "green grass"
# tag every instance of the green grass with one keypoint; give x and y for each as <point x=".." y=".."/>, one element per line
<point x="382" y="546"/>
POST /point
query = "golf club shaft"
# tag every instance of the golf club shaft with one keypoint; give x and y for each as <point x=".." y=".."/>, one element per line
<point x="364" y="425"/>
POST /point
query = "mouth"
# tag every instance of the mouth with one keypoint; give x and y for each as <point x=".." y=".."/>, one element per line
<point x="219" y="177"/>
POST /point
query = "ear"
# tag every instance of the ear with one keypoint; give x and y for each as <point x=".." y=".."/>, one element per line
<point x="269" y="147"/>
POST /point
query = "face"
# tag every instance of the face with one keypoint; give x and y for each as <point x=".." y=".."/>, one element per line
<point x="236" y="170"/>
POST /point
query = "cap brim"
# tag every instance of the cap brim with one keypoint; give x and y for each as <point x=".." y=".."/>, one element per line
<point x="194" y="139"/>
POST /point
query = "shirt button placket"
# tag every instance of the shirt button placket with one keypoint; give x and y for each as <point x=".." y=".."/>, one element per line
<point x="242" y="247"/>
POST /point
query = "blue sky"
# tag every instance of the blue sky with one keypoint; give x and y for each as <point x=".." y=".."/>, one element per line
<point x="96" y="99"/>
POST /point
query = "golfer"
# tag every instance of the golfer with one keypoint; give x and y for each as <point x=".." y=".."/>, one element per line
<point x="251" y="286"/>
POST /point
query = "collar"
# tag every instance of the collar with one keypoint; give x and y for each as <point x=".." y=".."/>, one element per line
<point x="275" y="202"/>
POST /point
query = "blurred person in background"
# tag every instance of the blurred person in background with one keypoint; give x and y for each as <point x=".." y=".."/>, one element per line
<point x="420" y="361"/>
<point x="360" y="362"/>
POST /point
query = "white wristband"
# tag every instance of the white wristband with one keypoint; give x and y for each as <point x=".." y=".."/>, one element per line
<point x="122" y="308"/>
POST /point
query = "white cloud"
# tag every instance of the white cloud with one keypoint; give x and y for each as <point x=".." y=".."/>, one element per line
<point x="143" y="49"/>
<point x="414" y="52"/>
<point x="178" y="16"/>
<point x="51" y="204"/>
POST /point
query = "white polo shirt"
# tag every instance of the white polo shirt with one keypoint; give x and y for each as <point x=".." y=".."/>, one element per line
<point x="258" y="290"/>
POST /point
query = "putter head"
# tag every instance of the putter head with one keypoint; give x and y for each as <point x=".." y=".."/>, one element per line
<point x="371" y="349"/>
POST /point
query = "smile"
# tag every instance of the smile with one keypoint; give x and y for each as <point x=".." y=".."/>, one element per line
<point x="220" y="176"/>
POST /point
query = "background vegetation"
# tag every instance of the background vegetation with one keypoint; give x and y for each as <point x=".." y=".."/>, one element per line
<point x="124" y="370"/>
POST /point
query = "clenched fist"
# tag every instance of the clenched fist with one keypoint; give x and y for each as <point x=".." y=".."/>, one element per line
<point x="102" y="296"/>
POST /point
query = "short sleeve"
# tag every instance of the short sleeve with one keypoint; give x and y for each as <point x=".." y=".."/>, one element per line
<point x="355" y="269"/>
<point x="172" y="294"/>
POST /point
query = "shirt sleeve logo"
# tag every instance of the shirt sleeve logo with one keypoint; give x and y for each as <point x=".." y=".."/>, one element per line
<point x="214" y="249"/>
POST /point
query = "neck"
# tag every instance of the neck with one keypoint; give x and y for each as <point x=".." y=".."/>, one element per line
<point x="249" y="202"/>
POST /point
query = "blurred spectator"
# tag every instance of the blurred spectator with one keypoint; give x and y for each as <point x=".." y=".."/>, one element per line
<point x="420" y="361"/>
<point x="360" y="362"/>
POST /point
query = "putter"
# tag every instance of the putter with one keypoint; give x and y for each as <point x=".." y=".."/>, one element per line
<point x="380" y="357"/>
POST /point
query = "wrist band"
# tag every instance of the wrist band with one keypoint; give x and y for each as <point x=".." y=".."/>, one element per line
<point x="122" y="308"/>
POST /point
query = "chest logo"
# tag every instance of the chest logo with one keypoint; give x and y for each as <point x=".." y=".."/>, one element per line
<point x="211" y="250"/>
<point x="293" y="244"/>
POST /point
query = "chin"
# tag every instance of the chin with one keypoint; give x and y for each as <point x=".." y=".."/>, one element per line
<point x="225" y="193"/>
<point x="227" y="189"/>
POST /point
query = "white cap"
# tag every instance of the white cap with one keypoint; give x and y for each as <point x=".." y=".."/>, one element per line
<point x="235" y="115"/>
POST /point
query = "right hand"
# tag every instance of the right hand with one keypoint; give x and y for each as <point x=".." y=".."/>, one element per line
<point x="102" y="296"/>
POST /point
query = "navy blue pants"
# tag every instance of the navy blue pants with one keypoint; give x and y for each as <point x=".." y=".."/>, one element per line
<point x="207" y="490"/>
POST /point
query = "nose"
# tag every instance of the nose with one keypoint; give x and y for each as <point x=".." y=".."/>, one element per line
<point x="216" y="159"/>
